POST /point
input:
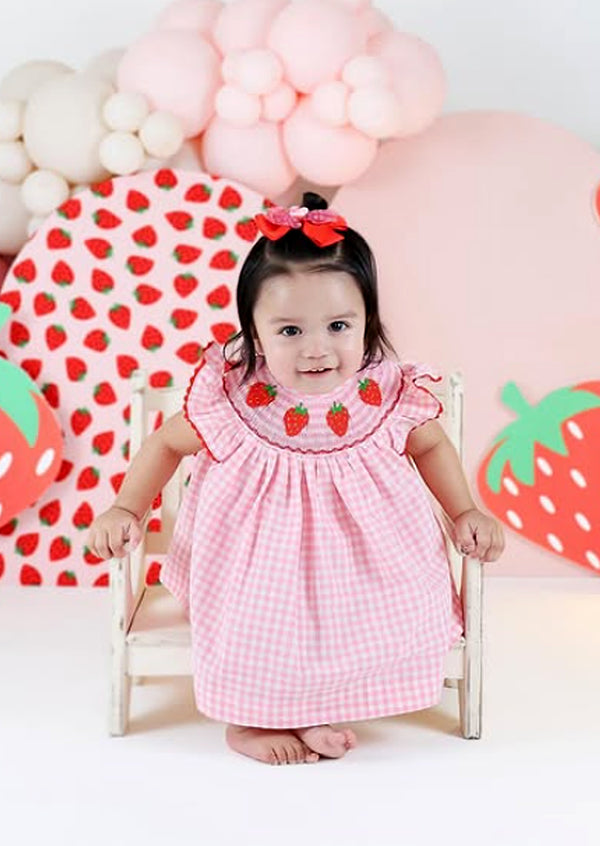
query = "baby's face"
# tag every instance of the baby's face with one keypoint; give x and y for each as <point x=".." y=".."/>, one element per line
<point x="311" y="321"/>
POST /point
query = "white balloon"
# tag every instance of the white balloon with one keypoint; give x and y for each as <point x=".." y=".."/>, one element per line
<point x="375" y="110"/>
<point x="162" y="134"/>
<point x="11" y="119"/>
<point x="63" y="126"/>
<point x="121" y="153"/>
<point x="21" y="82"/>
<point x="365" y="70"/>
<point x="329" y="103"/>
<point x="15" y="164"/>
<point x="43" y="191"/>
<point x="13" y="220"/>
<point x="105" y="64"/>
<point x="125" y="111"/>
<point x="237" y="107"/>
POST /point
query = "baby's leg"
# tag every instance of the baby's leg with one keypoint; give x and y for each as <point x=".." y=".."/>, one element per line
<point x="326" y="740"/>
<point x="273" y="746"/>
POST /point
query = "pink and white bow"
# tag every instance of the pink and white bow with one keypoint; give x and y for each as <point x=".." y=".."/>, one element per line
<point x="319" y="225"/>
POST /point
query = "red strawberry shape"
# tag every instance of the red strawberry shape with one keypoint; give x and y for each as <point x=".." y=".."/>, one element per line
<point x="102" y="581"/>
<point x="182" y="318"/>
<point x="186" y="254"/>
<point x="223" y="260"/>
<point x="80" y="420"/>
<point x="12" y="299"/>
<point x="102" y="281"/>
<point x="65" y="470"/>
<point x="137" y="202"/>
<point x="32" y="366"/>
<point x="126" y="364"/>
<point x="138" y="265"/>
<point x="43" y="303"/>
<point x="161" y="379"/>
<point x="81" y="309"/>
<point x="222" y="332"/>
<point x="8" y="528"/>
<point x="25" y="271"/>
<point x="180" y="220"/>
<point x="213" y="228"/>
<point x="19" y="334"/>
<point x="260" y="393"/>
<point x="125" y="450"/>
<point x="87" y="479"/>
<point x="49" y="514"/>
<point x="27" y="544"/>
<point x="542" y="475"/>
<point x="90" y="558"/>
<point x="103" y="442"/>
<point x="102" y="189"/>
<point x="165" y="179"/>
<point x="96" y="340"/>
<point x="70" y="209"/>
<point x="190" y="352"/>
<point x="295" y="419"/>
<point x="198" y="193"/>
<point x="62" y="273"/>
<point x="246" y="229"/>
<point x="105" y="219"/>
<point x="76" y="368"/>
<point x="337" y="418"/>
<point x="369" y="391"/>
<point x="99" y="247"/>
<point x="219" y="297"/>
<point x="58" y="239"/>
<point x="185" y="284"/>
<point x="153" y="573"/>
<point x="116" y="481"/>
<point x="152" y="338"/>
<point x="60" y="548"/>
<point x="120" y="315"/>
<point x="147" y="294"/>
<point x="154" y="525"/>
<point x="83" y="516"/>
<point x="104" y="394"/>
<point x="29" y="575"/>
<point x="230" y="199"/>
<point x="145" y="237"/>
<point x="67" y="579"/>
<point x="51" y="393"/>
<point x="55" y="337"/>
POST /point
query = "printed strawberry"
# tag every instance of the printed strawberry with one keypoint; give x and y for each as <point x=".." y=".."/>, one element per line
<point x="136" y="201"/>
<point x="102" y="189"/>
<point x="126" y="364"/>
<point x="153" y="574"/>
<point x="102" y="281"/>
<point x="105" y="219"/>
<point x="138" y="265"/>
<point x="83" y="516"/>
<point x="62" y="274"/>
<point x="25" y="271"/>
<point x="81" y="309"/>
<point x="190" y="352"/>
<point x="157" y="501"/>
<point x="145" y="237"/>
<point x="154" y="525"/>
<point x="52" y="394"/>
<point x="542" y="475"/>
<point x="19" y="334"/>
<point x="246" y="229"/>
<point x="165" y="179"/>
<point x="76" y="368"/>
<point x="89" y="557"/>
<point x="219" y="297"/>
<point x="99" y="247"/>
<point x="49" y="514"/>
<point x="185" y="284"/>
<point x="1" y="565"/>
<point x="80" y="420"/>
<point x="185" y="253"/>
<point x="223" y="260"/>
<point x="147" y="294"/>
<point x="295" y="419"/>
<point x="104" y="394"/>
<point x="60" y="548"/>
<point x="12" y="299"/>
<point x="125" y="450"/>
<point x="180" y="220"/>
<point x="29" y="575"/>
<point x="27" y="544"/>
<point x="230" y="199"/>
<point x="96" y="340"/>
<point x="70" y="209"/>
<point x="213" y="228"/>
<point x="43" y="303"/>
<point x="198" y="193"/>
<point x="222" y="332"/>
<point x="64" y="470"/>
<point x="260" y="393"/>
<point x="58" y="239"/>
<point x="120" y="315"/>
<point x="55" y="336"/>
<point x="369" y="391"/>
<point x="88" y="478"/>
<point x="116" y="481"/>
<point x="182" y="318"/>
<point x="337" y="418"/>
<point x="102" y="581"/>
<point x="152" y="338"/>
<point x="127" y="414"/>
<point x="103" y="442"/>
<point x="66" y="579"/>
<point x="161" y="379"/>
<point x="9" y="527"/>
<point x="158" y="421"/>
<point x="32" y="366"/>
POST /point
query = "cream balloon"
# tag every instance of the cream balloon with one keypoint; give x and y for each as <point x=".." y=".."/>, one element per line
<point x="15" y="164"/>
<point x="11" y="119"/>
<point x="125" y="111"/>
<point x="121" y="153"/>
<point x="62" y="126"/>
<point x="22" y="81"/>
<point x="13" y="220"/>
<point x="106" y="64"/>
<point x="34" y="224"/>
<point x="43" y="191"/>
<point x="161" y="134"/>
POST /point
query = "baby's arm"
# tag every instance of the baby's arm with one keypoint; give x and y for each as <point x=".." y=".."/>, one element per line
<point x="476" y="533"/>
<point x="150" y="469"/>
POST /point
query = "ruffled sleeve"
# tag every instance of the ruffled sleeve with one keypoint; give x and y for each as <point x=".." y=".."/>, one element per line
<point x="207" y="408"/>
<point x="416" y="404"/>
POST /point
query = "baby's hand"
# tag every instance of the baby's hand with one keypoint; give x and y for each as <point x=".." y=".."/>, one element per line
<point x="478" y="535"/>
<point x="114" y="533"/>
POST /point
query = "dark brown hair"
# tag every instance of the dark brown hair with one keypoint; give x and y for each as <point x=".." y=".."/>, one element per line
<point x="295" y="251"/>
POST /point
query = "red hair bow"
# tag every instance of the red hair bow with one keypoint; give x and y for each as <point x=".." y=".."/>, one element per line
<point x="319" y="224"/>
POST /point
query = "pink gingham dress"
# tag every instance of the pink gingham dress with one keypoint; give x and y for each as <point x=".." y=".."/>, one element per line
<point x="306" y="552"/>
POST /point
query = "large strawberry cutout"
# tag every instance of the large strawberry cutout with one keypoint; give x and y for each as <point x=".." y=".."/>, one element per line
<point x="542" y="476"/>
<point x="136" y="272"/>
<point x="30" y="438"/>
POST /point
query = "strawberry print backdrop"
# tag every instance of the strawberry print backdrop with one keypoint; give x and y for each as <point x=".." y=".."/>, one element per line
<point x="138" y="271"/>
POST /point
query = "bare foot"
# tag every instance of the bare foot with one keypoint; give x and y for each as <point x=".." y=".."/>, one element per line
<point x="273" y="746"/>
<point x="326" y="740"/>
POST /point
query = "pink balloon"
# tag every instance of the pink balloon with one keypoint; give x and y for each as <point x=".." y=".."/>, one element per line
<point x="196" y="15"/>
<point x="326" y="155"/>
<point x="178" y="71"/>
<point x="417" y="77"/>
<point x="278" y="104"/>
<point x="373" y="22"/>
<point x="314" y="39"/>
<point x="252" y="155"/>
<point x="244" y="24"/>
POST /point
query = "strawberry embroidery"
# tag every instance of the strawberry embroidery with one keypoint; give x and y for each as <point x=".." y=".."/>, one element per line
<point x="337" y="418"/>
<point x="295" y="419"/>
<point x="260" y="393"/>
<point x="369" y="391"/>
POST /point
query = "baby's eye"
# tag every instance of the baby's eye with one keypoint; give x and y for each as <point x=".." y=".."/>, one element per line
<point x="284" y="332"/>
<point x="341" y="323"/>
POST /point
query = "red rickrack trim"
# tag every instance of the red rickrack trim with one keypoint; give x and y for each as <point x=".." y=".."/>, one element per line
<point x="197" y="370"/>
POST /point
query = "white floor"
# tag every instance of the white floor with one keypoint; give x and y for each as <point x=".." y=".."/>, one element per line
<point x="534" y="777"/>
